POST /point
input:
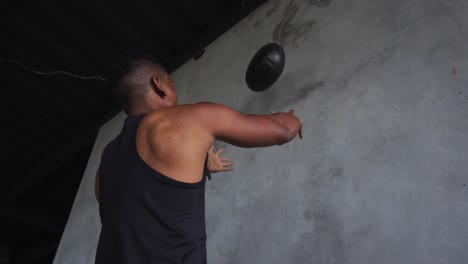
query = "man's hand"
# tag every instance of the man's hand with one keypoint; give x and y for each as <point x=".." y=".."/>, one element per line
<point x="218" y="164"/>
<point x="299" y="132"/>
<point x="297" y="121"/>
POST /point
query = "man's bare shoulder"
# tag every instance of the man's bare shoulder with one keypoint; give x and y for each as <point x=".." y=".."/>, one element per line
<point x="198" y="106"/>
<point x="177" y="114"/>
<point x="185" y="111"/>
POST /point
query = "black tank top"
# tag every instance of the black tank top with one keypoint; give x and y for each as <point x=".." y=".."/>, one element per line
<point x="147" y="217"/>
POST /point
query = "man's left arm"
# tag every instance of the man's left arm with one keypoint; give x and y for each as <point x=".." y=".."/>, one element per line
<point x="97" y="180"/>
<point x="96" y="185"/>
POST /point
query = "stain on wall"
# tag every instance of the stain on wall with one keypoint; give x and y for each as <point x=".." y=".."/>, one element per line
<point x="287" y="31"/>
<point x="319" y="3"/>
<point x="300" y="94"/>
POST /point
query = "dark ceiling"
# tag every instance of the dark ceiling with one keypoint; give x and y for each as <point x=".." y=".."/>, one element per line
<point x="50" y="120"/>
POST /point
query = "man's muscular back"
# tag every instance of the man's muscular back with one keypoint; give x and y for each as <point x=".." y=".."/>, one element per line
<point x="173" y="142"/>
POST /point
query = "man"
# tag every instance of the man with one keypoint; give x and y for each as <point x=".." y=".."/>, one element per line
<point x="150" y="184"/>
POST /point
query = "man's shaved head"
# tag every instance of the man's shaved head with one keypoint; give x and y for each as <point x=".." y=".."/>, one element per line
<point x="132" y="79"/>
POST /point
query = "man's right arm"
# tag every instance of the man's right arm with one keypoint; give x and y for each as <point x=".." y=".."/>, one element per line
<point x="246" y="130"/>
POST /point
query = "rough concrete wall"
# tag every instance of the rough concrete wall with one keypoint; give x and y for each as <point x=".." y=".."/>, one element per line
<point x="382" y="173"/>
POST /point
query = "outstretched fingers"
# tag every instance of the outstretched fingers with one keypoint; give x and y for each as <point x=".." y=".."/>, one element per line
<point x="219" y="151"/>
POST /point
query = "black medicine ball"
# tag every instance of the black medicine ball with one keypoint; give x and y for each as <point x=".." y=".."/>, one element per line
<point x="265" y="67"/>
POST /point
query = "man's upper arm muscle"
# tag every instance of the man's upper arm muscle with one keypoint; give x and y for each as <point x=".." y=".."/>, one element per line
<point x="246" y="130"/>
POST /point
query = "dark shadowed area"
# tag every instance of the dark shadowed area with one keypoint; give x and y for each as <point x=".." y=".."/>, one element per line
<point x="54" y="56"/>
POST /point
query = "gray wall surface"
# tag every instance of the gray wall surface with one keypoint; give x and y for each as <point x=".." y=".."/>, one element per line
<point x="382" y="172"/>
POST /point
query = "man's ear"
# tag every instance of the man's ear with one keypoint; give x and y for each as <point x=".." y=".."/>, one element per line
<point x="158" y="86"/>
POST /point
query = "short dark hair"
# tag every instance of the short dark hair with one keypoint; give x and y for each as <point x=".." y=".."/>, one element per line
<point x="127" y="93"/>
